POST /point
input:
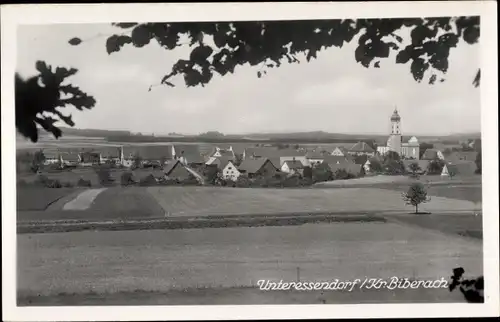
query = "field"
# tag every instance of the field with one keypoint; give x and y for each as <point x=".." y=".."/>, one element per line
<point x="120" y="266"/>
<point x="30" y="199"/>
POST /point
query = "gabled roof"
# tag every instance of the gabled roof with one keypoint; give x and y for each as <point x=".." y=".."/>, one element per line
<point x="253" y="165"/>
<point x="110" y="152"/>
<point x="228" y="162"/>
<point x="271" y="152"/>
<point x="462" y="167"/>
<point x="170" y="166"/>
<point x="430" y="154"/>
<point x="362" y="147"/>
<point x="221" y="162"/>
<point x="191" y="152"/>
<point x="463" y="156"/>
<point x="294" y="165"/>
<point x="70" y="156"/>
<point x="315" y="155"/>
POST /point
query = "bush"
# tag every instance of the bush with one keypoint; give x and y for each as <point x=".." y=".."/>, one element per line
<point x="243" y="182"/>
<point x="127" y="178"/>
<point x="83" y="183"/>
<point x="104" y="175"/>
<point x="68" y="184"/>
<point x="342" y="174"/>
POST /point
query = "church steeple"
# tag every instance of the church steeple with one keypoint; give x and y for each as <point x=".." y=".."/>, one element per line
<point x="395" y="116"/>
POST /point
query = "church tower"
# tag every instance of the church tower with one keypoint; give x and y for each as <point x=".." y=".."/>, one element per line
<point x="394" y="142"/>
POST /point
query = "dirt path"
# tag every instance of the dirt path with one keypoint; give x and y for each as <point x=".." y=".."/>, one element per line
<point x="84" y="200"/>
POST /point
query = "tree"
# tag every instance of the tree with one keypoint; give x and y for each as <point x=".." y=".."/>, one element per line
<point x="376" y="166"/>
<point x="137" y="163"/>
<point x="265" y="44"/>
<point x="414" y="168"/>
<point x="394" y="167"/>
<point x="38" y="160"/>
<point x="392" y="156"/>
<point x="269" y="43"/>
<point x="416" y="195"/>
<point x="435" y="166"/>
<point x="307" y="172"/>
<point x="361" y="159"/>
<point x="451" y="172"/>
<point x="478" y="162"/>
<point x="104" y="176"/>
<point x="39" y="99"/>
<point x="127" y="178"/>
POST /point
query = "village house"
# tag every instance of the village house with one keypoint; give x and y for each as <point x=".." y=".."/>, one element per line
<point x="89" y="157"/>
<point x="111" y="154"/>
<point x="69" y="159"/>
<point x="315" y="157"/>
<point x="340" y="151"/>
<point x="433" y="154"/>
<point x="293" y="167"/>
<point x="175" y="170"/>
<point x="230" y="171"/>
<point x="224" y="153"/>
<point x="464" y="168"/>
<point x="188" y="154"/>
<point x="257" y="167"/>
<point x="51" y="157"/>
<point x="361" y="148"/>
<point x="147" y="154"/>
<point x="275" y="155"/>
<point x="336" y="159"/>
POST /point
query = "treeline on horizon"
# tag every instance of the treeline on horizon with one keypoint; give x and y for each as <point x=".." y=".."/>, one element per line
<point x="203" y="139"/>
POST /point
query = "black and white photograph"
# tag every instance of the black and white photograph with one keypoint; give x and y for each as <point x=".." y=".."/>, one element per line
<point x="242" y="159"/>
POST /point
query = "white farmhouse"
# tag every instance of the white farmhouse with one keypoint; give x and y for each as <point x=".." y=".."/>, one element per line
<point x="230" y="172"/>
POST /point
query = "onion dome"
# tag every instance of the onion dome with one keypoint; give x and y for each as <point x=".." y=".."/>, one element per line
<point x="395" y="116"/>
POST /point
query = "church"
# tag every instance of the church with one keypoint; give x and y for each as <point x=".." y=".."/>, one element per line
<point x="408" y="150"/>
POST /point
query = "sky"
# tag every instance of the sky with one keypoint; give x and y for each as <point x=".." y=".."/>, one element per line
<point x="333" y="93"/>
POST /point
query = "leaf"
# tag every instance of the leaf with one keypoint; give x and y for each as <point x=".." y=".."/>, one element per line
<point x="141" y="36"/>
<point x="200" y="54"/>
<point x="75" y="41"/>
<point x="418" y="68"/>
<point x="115" y="42"/>
<point x="477" y="78"/>
<point x="259" y="74"/>
<point x="402" y="57"/>
<point x="124" y="25"/>
<point x="169" y="84"/>
<point x="377" y="64"/>
<point x="432" y="79"/>
<point x="471" y="34"/>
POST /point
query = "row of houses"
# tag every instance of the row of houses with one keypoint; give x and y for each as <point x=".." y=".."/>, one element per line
<point x="460" y="162"/>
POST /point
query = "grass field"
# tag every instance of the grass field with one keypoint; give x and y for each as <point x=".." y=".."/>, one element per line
<point x="29" y="199"/>
<point x="191" y="201"/>
<point x="166" y="260"/>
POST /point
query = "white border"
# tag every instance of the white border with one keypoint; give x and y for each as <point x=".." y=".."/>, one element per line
<point x="13" y="15"/>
